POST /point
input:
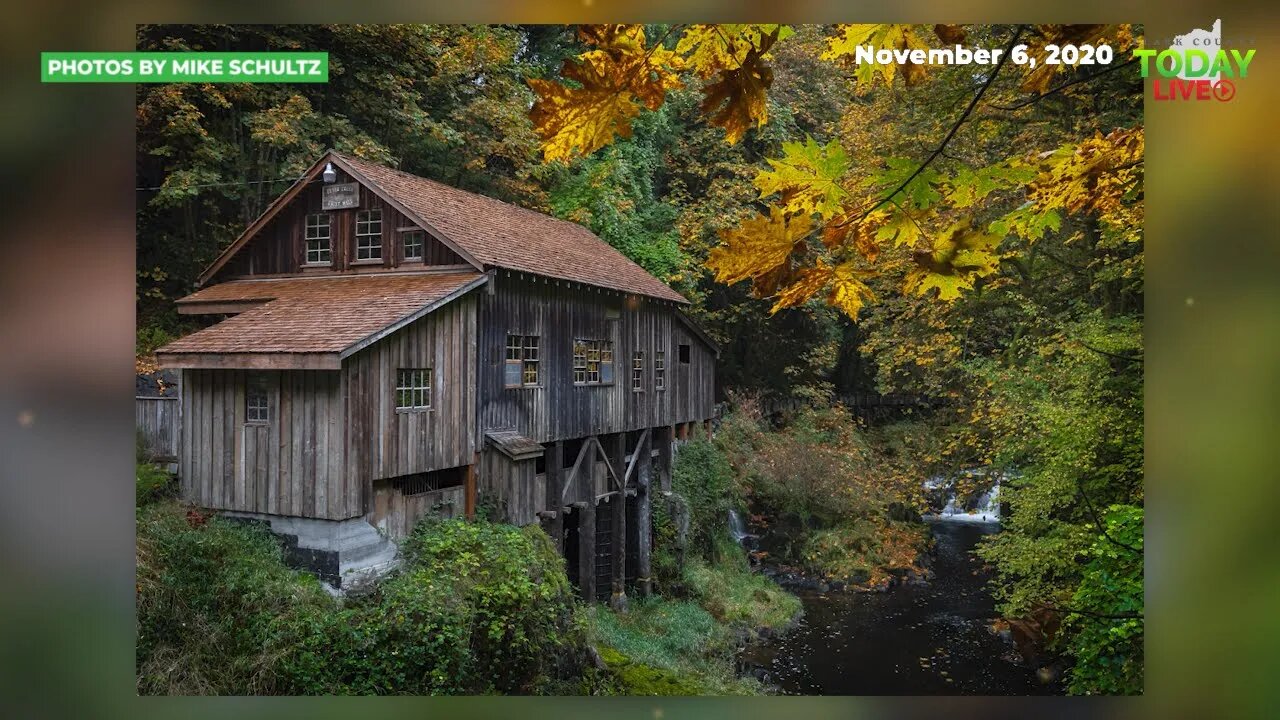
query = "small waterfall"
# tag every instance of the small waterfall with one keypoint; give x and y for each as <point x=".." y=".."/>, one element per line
<point x="986" y="509"/>
<point x="738" y="528"/>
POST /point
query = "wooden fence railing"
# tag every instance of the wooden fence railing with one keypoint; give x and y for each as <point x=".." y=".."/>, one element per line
<point x="159" y="421"/>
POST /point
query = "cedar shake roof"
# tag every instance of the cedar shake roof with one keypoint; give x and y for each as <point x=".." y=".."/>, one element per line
<point x="318" y="315"/>
<point x="502" y="235"/>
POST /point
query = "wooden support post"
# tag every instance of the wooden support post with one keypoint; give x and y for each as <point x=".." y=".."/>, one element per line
<point x="617" y="454"/>
<point x="666" y="436"/>
<point x="586" y="550"/>
<point x="706" y="426"/>
<point x="469" y="489"/>
<point x="644" y="531"/>
<point x="555" y="474"/>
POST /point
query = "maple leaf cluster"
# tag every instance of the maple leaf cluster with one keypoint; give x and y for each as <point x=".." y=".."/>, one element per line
<point x="829" y="227"/>
<point x="608" y="84"/>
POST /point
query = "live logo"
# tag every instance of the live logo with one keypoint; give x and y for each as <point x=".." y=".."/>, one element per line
<point x="1179" y="89"/>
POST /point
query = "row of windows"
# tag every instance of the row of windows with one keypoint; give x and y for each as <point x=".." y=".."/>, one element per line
<point x="592" y="365"/>
<point x="319" y="238"/>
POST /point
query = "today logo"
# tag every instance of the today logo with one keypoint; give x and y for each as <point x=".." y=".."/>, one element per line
<point x="1195" y="68"/>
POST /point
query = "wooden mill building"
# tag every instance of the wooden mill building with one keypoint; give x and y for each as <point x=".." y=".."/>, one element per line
<point x="389" y="346"/>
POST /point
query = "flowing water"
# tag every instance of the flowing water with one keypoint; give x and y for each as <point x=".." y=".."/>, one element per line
<point x="929" y="639"/>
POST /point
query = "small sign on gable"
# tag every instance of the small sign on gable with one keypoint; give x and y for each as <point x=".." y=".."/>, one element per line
<point x="340" y="196"/>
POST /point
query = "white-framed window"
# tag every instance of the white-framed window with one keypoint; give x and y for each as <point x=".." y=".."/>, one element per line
<point x="412" y="241"/>
<point x="413" y="389"/>
<point x="257" y="400"/>
<point x="369" y="235"/>
<point x="592" y="362"/>
<point x="637" y="371"/>
<point x="659" y="370"/>
<point x="522" y="361"/>
<point x="319" y="238"/>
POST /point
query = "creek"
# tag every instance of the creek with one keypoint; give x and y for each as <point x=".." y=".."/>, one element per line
<point x="915" y="639"/>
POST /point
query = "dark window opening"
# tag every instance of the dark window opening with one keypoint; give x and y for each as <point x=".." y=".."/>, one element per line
<point x="420" y="483"/>
<point x="684" y="354"/>
<point x="540" y="465"/>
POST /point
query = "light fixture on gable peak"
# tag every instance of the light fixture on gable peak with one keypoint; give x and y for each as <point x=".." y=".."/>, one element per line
<point x="330" y="175"/>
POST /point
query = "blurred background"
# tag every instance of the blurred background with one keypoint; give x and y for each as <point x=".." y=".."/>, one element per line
<point x="66" y="324"/>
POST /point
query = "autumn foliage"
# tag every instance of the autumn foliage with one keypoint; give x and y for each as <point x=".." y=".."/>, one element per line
<point x="830" y="222"/>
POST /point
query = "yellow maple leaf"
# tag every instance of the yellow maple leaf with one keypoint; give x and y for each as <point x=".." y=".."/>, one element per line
<point x="808" y="177"/>
<point x="848" y="291"/>
<point x="736" y="100"/>
<point x="807" y="283"/>
<point x="880" y="36"/>
<point x="708" y="49"/>
<point x="957" y="259"/>
<point x="760" y="245"/>
<point x="610" y="84"/>
<point x="1041" y="73"/>
<point x="1100" y="176"/>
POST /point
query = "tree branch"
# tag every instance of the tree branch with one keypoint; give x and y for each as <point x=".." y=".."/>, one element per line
<point x="964" y="116"/>
<point x="1063" y="86"/>
<point x="1100" y="351"/>
<point x="1097" y="521"/>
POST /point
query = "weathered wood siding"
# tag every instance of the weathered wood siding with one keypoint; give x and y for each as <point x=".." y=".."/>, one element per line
<point x="280" y="246"/>
<point x="558" y="313"/>
<point x="158" y="420"/>
<point x="383" y="442"/>
<point x="290" y="465"/>
<point x="395" y="513"/>
<point x="516" y="486"/>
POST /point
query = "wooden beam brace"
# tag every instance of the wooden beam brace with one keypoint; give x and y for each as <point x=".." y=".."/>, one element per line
<point x="641" y="443"/>
<point x="609" y="464"/>
<point x="577" y="465"/>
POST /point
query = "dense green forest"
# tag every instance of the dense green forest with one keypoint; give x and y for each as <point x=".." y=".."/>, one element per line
<point x="967" y="234"/>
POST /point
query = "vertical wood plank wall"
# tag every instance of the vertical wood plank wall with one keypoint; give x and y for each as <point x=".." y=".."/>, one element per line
<point x="158" y="420"/>
<point x="557" y="409"/>
<point x="383" y="443"/>
<point x="521" y="491"/>
<point x="279" y="247"/>
<point x="291" y="465"/>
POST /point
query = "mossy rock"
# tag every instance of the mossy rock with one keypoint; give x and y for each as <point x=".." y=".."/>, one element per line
<point x="635" y="678"/>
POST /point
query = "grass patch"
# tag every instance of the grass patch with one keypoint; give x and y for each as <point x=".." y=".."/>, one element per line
<point x="740" y="597"/>
<point x="668" y="647"/>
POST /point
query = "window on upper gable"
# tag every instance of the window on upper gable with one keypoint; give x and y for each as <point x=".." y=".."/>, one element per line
<point x="369" y="235"/>
<point x="412" y="241"/>
<point x="319" y="239"/>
